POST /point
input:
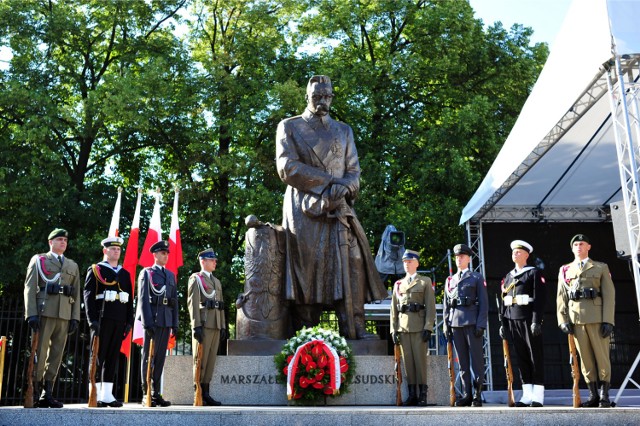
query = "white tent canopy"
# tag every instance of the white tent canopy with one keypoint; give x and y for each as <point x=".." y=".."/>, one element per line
<point x="559" y="162"/>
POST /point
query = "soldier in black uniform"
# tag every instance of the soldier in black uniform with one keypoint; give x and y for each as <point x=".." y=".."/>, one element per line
<point x="523" y="299"/>
<point x="158" y="312"/>
<point x="465" y="320"/>
<point x="109" y="305"/>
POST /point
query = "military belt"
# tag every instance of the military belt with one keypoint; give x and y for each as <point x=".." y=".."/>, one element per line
<point x="463" y="301"/>
<point x="65" y="290"/>
<point x="411" y="307"/>
<point x="585" y="293"/>
<point x="213" y="304"/>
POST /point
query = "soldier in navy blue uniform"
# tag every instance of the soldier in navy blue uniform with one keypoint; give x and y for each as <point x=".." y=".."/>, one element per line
<point x="109" y="305"/>
<point x="465" y="320"/>
<point x="522" y="310"/>
<point x="158" y="312"/>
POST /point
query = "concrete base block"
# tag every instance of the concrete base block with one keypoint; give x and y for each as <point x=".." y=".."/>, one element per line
<point x="251" y="380"/>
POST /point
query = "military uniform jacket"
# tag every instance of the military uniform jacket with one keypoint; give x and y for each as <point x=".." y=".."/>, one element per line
<point x="594" y="275"/>
<point x="529" y="281"/>
<point x="108" y="279"/>
<point x="419" y="291"/>
<point x="201" y="289"/>
<point x="157" y="297"/>
<point x="472" y="286"/>
<point x="35" y="294"/>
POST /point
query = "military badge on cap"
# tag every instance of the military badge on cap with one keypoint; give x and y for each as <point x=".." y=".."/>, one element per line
<point x="112" y="242"/>
<point x="58" y="232"/>
<point x="410" y="254"/>
<point x="519" y="244"/>
<point x="579" y="237"/>
<point x="462" y="249"/>
<point x="207" y="254"/>
<point x="159" y="246"/>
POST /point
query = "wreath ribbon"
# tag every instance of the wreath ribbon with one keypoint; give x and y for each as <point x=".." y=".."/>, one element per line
<point x="334" y="367"/>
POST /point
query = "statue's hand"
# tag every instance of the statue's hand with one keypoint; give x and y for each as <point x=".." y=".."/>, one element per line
<point x="338" y="192"/>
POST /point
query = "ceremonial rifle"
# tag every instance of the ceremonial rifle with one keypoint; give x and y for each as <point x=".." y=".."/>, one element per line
<point x="3" y="351"/>
<point x="452" y="373"/>
<point x="197" y="397"/>
<point x="507" y="363"/>
<point x="575" y="371"/>
<point x="28" y="396"/>
<point x="149" y="362"/>
<point x="93" y="393"/>
<point x="398" y="370"/>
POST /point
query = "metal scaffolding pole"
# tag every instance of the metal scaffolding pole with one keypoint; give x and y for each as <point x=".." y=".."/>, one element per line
<point x="626" y="125"/>
<point x="474" y="237"/>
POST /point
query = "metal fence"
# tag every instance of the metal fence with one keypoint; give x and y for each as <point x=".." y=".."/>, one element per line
<point x="72" y="384"/>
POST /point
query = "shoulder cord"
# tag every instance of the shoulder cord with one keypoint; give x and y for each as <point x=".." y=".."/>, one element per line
<point x="96" y="273"/>
<point x="152" y="288"/>
<point x="203" y="291"/>
<point x="451" y="294"/>
<point x="566" y="281"/>
<point x="40" y="267"/>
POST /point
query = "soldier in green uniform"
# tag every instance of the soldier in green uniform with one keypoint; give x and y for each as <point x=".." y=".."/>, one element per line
<point x="52" y="306"/>
<point x="206" y="310"/>
<point x="413" y="315"/>
<point x="586" y="307"/>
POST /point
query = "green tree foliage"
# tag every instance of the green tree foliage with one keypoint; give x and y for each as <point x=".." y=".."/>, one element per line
<point x="100" y="94"/>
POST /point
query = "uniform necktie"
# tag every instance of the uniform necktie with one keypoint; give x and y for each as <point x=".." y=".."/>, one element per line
<point x="410" y="279"/>
<point x="60" y="260"/>
<point x="580" y="265"/>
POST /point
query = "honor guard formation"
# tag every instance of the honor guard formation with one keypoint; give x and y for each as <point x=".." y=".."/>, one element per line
<point x="52" y="296"/>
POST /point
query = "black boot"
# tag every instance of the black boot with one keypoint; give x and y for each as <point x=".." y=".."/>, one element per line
<point x="412" y="399"/>
<point x="477" y="394"/>
<point x="604" y="395"/>
<point x="158" y="400"/>
<point x="206" y="396"/>
<point x="465" y="399"/>
<point x="422" y="399"/>
<point x="594" y="399"/>
<point x="46" y="399"/>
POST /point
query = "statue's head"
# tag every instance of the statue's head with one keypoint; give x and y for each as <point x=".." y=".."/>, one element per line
<point x="319" y="94"/>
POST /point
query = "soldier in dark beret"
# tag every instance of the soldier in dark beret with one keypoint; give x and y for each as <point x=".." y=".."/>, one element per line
<point x="108" y="301"/>
<point x="206" y="310"/>
<point x="52" y="308"/>
<point x="466" y="309"/>
<point x="158" y="312"/>
<point x="586" y="308"/>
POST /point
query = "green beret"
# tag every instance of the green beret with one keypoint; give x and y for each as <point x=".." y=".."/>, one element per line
<point x="579" y="237"/>
<point x="58" y="232"/>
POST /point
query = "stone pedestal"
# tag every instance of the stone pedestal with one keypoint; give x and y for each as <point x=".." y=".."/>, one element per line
<point x="251" y="380"/>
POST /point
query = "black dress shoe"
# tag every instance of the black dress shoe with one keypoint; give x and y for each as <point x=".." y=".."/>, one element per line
<point x="536" y="404"/>
<point x="115" y="404"/>
<point x="521" y="404"/>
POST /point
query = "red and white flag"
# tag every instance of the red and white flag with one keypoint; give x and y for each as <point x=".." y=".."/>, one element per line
<point x="175" y="246"/>
<point x="154" y="234"/>
<point x="114" y="228"/>
<point x="131" y="262"/>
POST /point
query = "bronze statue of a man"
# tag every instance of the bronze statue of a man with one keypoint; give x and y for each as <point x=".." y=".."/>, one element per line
<point x="328" y="259"/>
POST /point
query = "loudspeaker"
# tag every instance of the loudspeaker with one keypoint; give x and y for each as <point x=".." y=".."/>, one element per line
<point x="620" y="230"/>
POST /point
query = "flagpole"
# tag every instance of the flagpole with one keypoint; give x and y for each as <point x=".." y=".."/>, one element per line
<point x="132" y="246"/>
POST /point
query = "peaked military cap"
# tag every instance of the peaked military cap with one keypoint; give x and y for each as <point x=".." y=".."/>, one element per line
<point x="159" y="246"/>
<point x="207" y="254"/>
<point x="462" y="249"/>
<point x="58" y="232"/>
<point x="520" y="244"/>
<point x="410" y="254"/>
<point x="579" y="237"/>
<point x="112" y="242"/>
